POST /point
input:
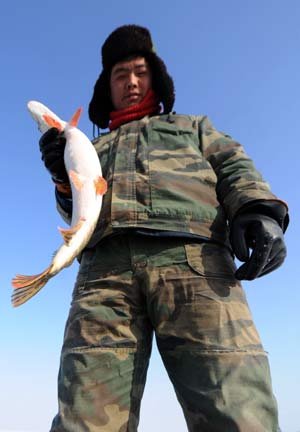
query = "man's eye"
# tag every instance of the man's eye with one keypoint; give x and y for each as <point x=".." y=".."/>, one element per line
<point x="120" y="77"/>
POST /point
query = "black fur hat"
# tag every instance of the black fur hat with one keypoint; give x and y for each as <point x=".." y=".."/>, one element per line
<point x="122" y="43"/>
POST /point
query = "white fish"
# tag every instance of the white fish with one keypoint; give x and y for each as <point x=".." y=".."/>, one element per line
<point x="87" y="185"/>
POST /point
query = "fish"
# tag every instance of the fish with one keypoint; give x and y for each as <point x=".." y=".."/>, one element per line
<point x="87" y="186"/>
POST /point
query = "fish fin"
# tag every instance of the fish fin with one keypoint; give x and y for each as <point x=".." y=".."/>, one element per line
<point x="27" y="286"/>
<point x="77" y="179"/>
<point x="69" y="233"/>
<point x="52" y="122"/>
<point x="100" y="185"/>
<point x="75" y="119"/>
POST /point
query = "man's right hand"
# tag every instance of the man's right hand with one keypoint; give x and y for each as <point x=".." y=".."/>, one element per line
<point x="52" y="146"/>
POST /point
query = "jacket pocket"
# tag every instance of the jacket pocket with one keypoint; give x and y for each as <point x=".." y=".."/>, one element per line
<point x="182" y="182"/>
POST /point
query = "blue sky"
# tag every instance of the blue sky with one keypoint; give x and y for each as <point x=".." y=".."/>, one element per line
<point x="237" y="62"/>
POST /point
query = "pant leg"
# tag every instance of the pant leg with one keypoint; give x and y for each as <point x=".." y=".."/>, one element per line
<point x="209" y="344"/>
<point x="106" y="348"/>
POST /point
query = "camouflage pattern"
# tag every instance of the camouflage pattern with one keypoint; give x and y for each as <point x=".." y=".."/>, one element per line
<point x="186" y="294"/>
<point x="175" y="173"/>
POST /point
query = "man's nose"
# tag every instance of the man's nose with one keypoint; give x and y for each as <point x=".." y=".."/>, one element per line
<point x="132" y="81"/>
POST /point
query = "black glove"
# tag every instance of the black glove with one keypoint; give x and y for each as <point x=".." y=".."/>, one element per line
<point x="52" y="145"/>
<point x="264" y="236"/>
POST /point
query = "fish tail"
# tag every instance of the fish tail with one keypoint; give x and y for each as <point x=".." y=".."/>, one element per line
<point x="27" y="286"/>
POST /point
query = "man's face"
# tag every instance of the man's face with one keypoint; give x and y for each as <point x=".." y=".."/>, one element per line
<point x="130" y="80"/>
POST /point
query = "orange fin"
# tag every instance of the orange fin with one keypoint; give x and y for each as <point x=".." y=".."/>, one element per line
<point x="27" y="286"/>
<point x="77" y="179"/>
<point x="100" y="185"/>
<point x="69" y="233"/>
<point x="75" y="119"/>
<point x="52" y="122"/>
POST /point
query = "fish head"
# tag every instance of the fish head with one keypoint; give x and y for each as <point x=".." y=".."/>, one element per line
<point x="38" y="110"/>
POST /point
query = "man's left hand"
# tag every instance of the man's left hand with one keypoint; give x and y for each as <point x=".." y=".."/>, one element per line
<point x="264" y="236"/>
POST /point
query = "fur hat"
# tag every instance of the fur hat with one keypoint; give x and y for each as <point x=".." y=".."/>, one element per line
<point x="126" y="41"/>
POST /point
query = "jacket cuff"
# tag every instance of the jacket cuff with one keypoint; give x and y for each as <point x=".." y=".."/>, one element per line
<point x="64" y="202"/>
<point x="276" y="209"/>
<point x="63" y="187"/>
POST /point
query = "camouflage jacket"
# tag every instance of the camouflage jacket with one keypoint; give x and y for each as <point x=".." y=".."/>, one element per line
<point x="174" y="173"/>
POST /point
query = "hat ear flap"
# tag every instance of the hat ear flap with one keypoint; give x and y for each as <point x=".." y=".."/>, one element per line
<point x="101" y="104"/>
<point x="162" y="82"/>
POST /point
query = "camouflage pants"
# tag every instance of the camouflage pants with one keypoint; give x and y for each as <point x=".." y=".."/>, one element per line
<point x="131" y="286"/>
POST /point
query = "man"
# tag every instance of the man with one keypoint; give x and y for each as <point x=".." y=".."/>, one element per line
<point x="182" y="199"/>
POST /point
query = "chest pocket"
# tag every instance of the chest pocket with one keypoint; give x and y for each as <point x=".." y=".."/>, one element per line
<point x="174" y="145"/>
<point x="177" y="167"/>
<point x="173" y="134"/>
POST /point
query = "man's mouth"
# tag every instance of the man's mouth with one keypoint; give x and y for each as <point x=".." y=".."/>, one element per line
<point x="132" y="96"/>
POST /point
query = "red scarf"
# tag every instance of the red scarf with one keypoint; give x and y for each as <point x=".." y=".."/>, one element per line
<point x="149" y="105"/>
